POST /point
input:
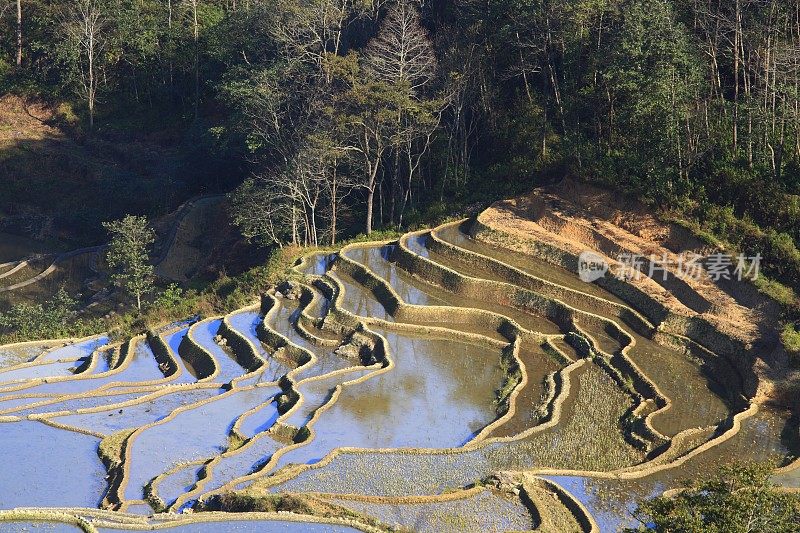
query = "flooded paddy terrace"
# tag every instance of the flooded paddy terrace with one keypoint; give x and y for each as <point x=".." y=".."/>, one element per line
<point x="406" y="373"/>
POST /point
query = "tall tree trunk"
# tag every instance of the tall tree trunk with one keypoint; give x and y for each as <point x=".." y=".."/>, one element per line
<point x="524" y="70"/>
<point x="19" y="33"/>
<point x="372" y="175"/>
<point x="92" y="82"/>
<point x="781" y="146"/>
<point x="334" y="192"/>
<point x="544" y="131"/>
<point x="381" y="187"/>
<point x="394" y="188"/>
<point x="171" y="65"/>
<point x="370" y="201"/>
<point x="737" y="37"/>
<point x="196" y="62"/>
<point x="295" y="233"/>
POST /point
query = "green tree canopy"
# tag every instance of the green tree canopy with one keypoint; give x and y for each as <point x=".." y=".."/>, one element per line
<point x="128" y="255"/>
<point x="739" y="499"/>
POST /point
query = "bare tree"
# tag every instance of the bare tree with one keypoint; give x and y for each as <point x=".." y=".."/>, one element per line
<point x="273" y="110"/>
<point x="337" y="184"/>
<point x="401" y="56"/>
<point x="402" y="51"/>
<point x="371" y="136"/>
<point x="414" y="141"/>
<point x="285" y="204"/>
<point x="85" y="27"/>
<point x="260" y="211"/>
<point x="338" y="187"/>
<point x="321" y="178"/>
<point x="317" y="29"/>
<point x="306" y="182"/>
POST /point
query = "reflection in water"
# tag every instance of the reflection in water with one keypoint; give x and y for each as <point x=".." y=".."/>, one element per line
<point x="439" y="394"/>
<point x="455" y="234"/>
<point x="683" y="381"/>
<point x="319" y="264"/>
<point x="259" y="421"/>
<point x="191" y="435"/>
<point x="284" y="321"/>
<point x="77" y="350"/>
<point x="414" y="291"/>
<point x="248" y="459"/>
<point x="376" y="259"/>
<point x="316" y="393"/>
<point x="171" y="487"/>
<point x="677" y="376"/>
<point x="359" y="300"/>
<point x="174" y="340"/>
<point x="538" y="364"/>
<point x="113" y="420"/>
<point x="39" y="371"/>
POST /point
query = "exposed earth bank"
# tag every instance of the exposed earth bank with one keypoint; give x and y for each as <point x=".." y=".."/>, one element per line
<point x="559" y="222"/>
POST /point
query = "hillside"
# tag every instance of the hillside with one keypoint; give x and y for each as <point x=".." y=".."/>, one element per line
<point x="59" y="184"/>
<point x="461" y="377"/>
<point x="397" y="265"/>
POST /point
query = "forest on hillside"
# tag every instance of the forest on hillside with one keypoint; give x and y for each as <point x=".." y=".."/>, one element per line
<point x="332" y="117"/>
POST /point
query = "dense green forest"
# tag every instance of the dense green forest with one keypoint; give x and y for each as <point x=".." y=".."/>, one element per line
<point x="328" y="117"/>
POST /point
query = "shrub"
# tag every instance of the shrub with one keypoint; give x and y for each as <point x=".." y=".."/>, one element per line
<point x="65" y="114"/>
<point x="54" y="318"/>
<point x="170" y="305"/>
<point x="376" y="235"/>
<point x="169" y="297"/>
<point x="739" y="498"/>
<point x="777" y="291"/>
<point x="790" y="336"/>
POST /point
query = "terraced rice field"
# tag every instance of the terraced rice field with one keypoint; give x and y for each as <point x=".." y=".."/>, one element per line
<point x="436" y="383"/>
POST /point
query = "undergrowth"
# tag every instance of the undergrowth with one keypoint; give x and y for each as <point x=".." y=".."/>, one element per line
<point x="287" y="503"/>
<point x="790" y="336"/>
<point x="719" y="227"/>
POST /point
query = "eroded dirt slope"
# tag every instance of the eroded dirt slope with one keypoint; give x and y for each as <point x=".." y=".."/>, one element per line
<point x="569" y="218"/>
